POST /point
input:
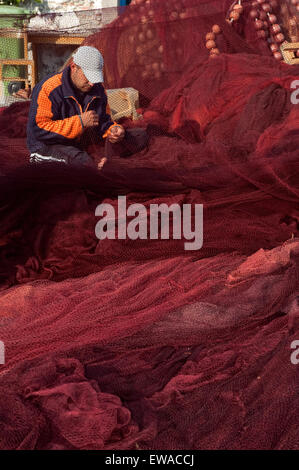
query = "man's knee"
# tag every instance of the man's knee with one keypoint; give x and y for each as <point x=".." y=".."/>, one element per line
<point x="138" y="138"/>
<point x="134" y="141"/>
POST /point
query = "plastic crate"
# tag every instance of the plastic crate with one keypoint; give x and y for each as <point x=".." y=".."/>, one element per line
<point x="123" y="102"/>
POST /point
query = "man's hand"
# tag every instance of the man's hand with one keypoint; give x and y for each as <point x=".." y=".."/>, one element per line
<point x="90" y="119"/>
<point x="117" y="133"/>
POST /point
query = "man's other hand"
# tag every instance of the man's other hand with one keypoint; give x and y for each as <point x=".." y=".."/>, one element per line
<point x="116" y="134"/>
<point x="90" y="119"/>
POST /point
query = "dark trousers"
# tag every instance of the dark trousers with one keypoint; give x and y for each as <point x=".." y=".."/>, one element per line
<point x="134" y="141"/>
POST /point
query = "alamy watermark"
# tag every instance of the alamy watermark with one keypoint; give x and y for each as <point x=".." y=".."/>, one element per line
<point x="295" y="94"/>
<point x="295" y="354"/>
<point x="143" y="227"/>
<point x="2" y="353"/>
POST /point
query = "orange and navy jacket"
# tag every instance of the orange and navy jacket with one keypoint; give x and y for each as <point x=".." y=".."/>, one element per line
<point x="55" y="113"/>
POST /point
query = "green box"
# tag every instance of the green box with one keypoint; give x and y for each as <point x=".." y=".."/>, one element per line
<point x="11" y="17"/>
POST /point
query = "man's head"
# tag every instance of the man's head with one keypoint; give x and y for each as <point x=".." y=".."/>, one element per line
<point x="87" y="68"/>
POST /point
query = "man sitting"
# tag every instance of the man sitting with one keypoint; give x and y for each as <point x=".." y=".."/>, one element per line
<point x="69" y="110"/>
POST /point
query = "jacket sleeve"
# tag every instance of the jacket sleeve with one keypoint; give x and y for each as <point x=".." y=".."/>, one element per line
<point x="69" y="128"/>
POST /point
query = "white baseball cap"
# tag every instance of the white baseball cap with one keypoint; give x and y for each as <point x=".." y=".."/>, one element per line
<point x="91" y="62"/>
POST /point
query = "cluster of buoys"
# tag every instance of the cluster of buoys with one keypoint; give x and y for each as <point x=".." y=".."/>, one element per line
<point x="263" y="13"/>
<point x="211" y="40"/>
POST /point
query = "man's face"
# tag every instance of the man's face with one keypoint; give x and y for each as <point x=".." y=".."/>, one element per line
<point x="79" y="79"/>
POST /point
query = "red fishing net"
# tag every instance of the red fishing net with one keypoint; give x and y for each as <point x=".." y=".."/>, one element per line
<point x="140" y="344"/>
